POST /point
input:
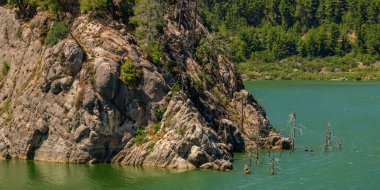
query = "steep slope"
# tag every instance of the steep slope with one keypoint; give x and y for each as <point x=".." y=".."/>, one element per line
<point x="67" y="103"/>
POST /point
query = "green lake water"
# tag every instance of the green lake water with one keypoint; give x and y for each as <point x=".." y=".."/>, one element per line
<point x="353" y="108"/>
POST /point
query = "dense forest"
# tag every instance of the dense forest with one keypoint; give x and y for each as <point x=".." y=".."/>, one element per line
<point x="308" y="35"/>
<point x="279" y="38"/>
<point x="282" y="28"/>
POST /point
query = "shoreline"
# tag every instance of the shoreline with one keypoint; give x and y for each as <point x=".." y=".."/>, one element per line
<point x="297" y="79"/>
<point x="313" y="77"/>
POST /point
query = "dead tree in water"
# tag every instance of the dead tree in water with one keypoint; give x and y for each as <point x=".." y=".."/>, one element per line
<point x="330" y="143"/>
<point x="293" y="120"/>
<point x="274" y="169"/>
<point x="250" y="156"/>
<point x="273" y="172"/>
<point x="257" y="156"/>
<point x="294" y="128"/>
<point x="253" y="154"/>
<point x="340" y="144"/>
<point x="329" y="136"/>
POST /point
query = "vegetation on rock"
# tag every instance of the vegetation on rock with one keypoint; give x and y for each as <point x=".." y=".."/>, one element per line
<point x="5" y="68"/>
<point x="57" y="31"/>
<point x="129" y="74"/>
<point x="148" y="17"/>
<point x="140" y="136"/>
<point x="159" y="113"/>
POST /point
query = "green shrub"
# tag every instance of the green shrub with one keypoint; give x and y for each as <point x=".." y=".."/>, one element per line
<point x="129" y="74"/>
<point x="156" y="127"/>
<point x="90" y="5"/>
<point x="175" y="89"/>
<point x="170" y="65"/>
<point x="5" y="68"/>
<point x="159" y="113"/>
<point x="155" y="53"/>
<point x="57" y="31"/>
<point x="140" y="136"/>
<point x="151" y="146"/>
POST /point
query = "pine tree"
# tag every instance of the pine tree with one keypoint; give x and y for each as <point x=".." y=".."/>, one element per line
<point x="287" y="10"/>
<point x="274" y="12"/>
<point x="148" y="16"/>
<point x="344" y="45"/>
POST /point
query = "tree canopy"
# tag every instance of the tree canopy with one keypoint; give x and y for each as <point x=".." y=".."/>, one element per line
<point x="283" y="28"/>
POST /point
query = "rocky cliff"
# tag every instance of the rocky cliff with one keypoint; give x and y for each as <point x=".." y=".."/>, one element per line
<point x="67" y="103"/>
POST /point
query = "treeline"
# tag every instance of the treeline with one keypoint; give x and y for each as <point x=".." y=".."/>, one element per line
<point x="275" y="29"/>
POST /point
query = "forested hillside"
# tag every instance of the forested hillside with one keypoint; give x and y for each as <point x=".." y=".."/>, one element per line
<point x="309" y="36"/>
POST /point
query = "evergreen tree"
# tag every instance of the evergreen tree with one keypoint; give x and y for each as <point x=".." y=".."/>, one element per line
<point x="148" y="16"/>
<point x="287" y="10"/>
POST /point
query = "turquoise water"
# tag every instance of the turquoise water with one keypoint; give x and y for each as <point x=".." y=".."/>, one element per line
<point x="352" y="107"/>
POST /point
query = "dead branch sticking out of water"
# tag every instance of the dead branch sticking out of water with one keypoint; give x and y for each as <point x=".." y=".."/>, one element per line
<point x="293" y="120"/>
<point x="273" y="172"/>
<point x="329" y="135"/>
<point x="329" y="141"/>
<point x="254" y="154"/>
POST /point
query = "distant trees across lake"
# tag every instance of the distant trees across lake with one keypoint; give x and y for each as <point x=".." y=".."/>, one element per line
<point x="270" y="30"/>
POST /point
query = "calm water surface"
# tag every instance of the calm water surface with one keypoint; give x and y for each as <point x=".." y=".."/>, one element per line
<point x="352" y="107"/>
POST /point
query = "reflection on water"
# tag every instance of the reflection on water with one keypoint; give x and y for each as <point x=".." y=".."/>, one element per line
<point x="353" y="108"/>
<point x="21" y="174"/>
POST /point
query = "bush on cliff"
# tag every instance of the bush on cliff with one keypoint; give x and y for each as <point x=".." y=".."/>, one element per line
<point x="140" y="136"/>
<point x="129" y="74"/>
<point x="57" y="31"/>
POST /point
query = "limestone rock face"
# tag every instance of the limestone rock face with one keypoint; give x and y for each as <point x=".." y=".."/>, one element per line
<point x="105" y="80"/>
<point x="183" y="141"/>
<point x="73" y="57"/>
<point x="66" y="103"/>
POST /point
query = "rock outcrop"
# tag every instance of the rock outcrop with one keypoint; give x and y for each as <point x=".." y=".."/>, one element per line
<point x="67" y="103"/>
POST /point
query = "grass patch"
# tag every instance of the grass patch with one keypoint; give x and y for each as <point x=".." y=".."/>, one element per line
<point x="254" y="137"/>
<point x="57" y="32"/>
<point x="198" y="86"/>
<point x="151" y="146"/>
<point x="181" y="131"/>
<point x="156" y="127"/>
<point x="298" y="68"/>
<point x="6" y="108"/>
<point x="6" y="105"/>
<point x="5" y="67"/>
<point x="18" y="34"/>
<point x="221" y="97"/>
<point x="175" y="89"/>
<point x="206" y="77"/>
